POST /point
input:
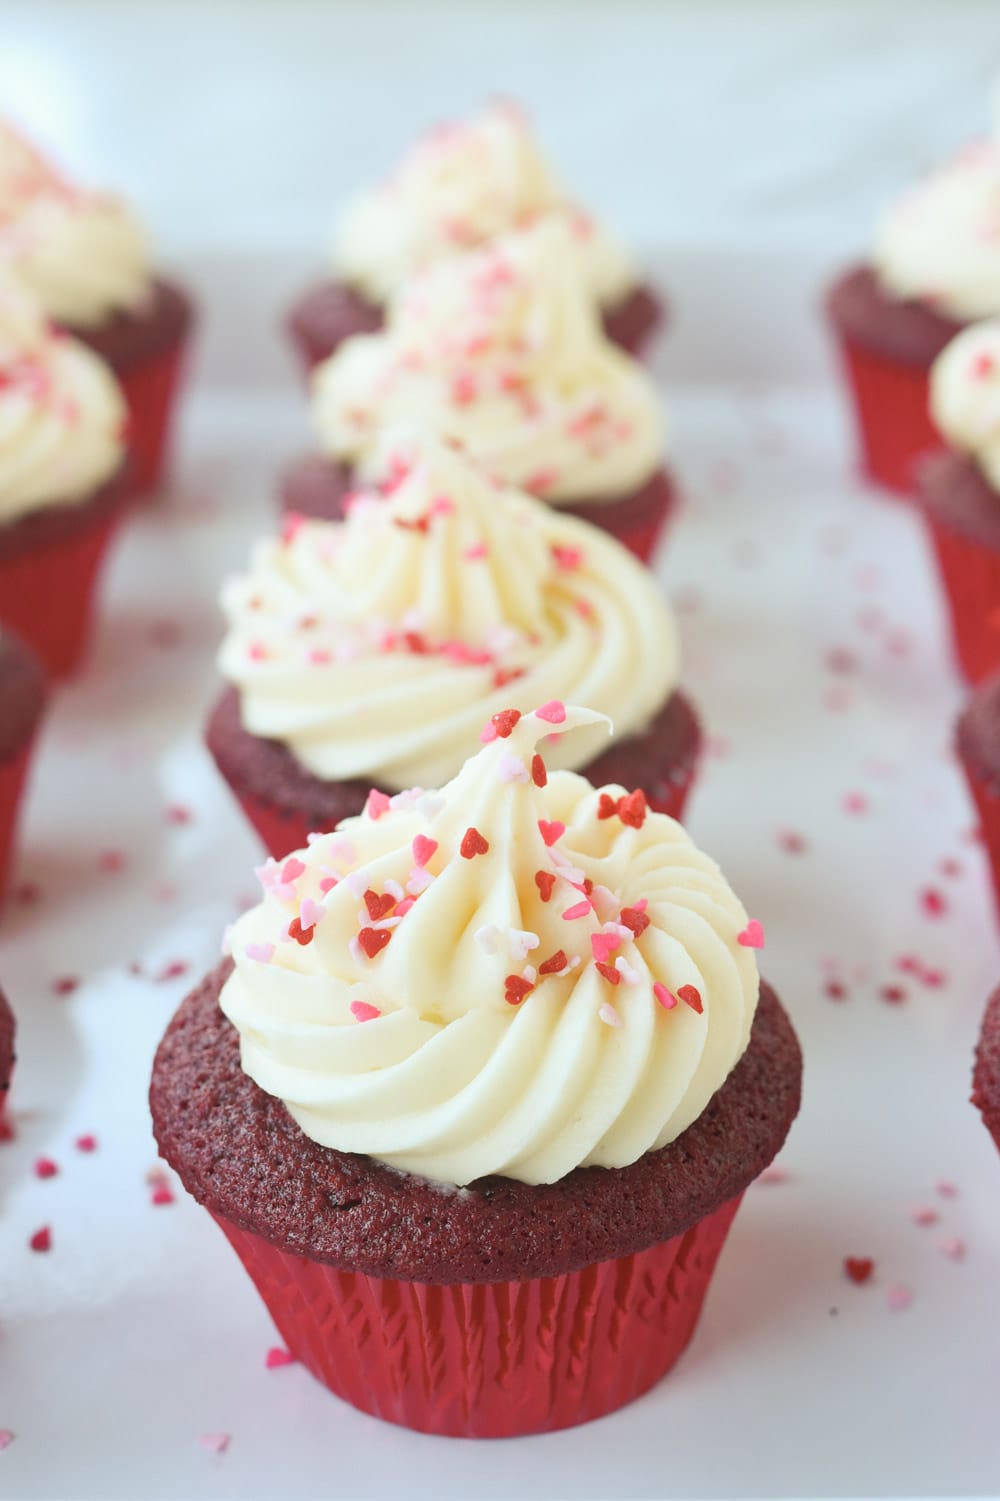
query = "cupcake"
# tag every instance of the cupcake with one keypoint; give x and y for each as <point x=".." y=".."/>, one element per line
<point x="369" y="652"/>
<point x="7" y="1058"/>
<point x="22" y="703"/>
<point x="460" y="188"/>
<point x="977" y="741"/>
<point x="986" y="1071"/>
<point x="959" y="490"/>
<point x="501" y="352"/>
<point x="935" y="268"/>
<point x="478" y="1092"/>
<point x="84" y="256"/>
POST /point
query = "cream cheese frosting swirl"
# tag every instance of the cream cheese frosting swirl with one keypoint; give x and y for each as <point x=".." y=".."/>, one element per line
<point x="965" y="395"/>
<point x="83" y="254"/>
<point x="61" y="412"/>
<point x="940" y="242"/>
<point x="376" y="646"/>
<point x="503" y="352"/>
<point x="459" y="187"/>
<point x="502" y="977"/>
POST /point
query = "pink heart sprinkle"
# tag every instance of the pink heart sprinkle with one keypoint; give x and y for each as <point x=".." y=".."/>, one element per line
<point x="609" y="1016"/>
<point x="263" y="953"/>
<point x="423" y="848"/>
<point x="581" y="909"/>
<point x="752" y="936"/>
<point x="550" y="832"/>
<point x="554" y="712"/>
<point x="405" y="905"/>
<point x="363" y="1012"/>
<point x="162" y="1195"/>
<point x="511" y="768"/>
<point x="377" y="804"/>
<point x="604" y="945"/>
<point x="488" y="733"/>
<point x="292" y="869"/>
<point x="6" y="1438"/>
<point x="86" y="1143"/>
<point x="310" y="912"/>
<point x="952" y="1246"/>
<point x="46" y="1168"/>
<point x="277" y="1357"/>
<point x="666" y="997"/>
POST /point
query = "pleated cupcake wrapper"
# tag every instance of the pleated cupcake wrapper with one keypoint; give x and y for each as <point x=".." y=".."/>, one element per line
<point x="970" y="573"/>
<point x="150" y="389"/>
<point x="987" y="803"/>
<point x="491" y="1360"/>
<point x="13" y="772"/>
<point x="642" y="536"/>
<point x="891" y="406"/>
<point x="47" y="592"/>
<point x="281" y="832"/>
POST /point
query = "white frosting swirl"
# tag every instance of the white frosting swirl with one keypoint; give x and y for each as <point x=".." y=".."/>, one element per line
<point x="83" y="254"/>
<point x="376" y="647"/>
<point x="61" y="412"/>
<point x="940" y="242"/>
<point x="502" y="352"/>
<point x="461" y="186"/>
<point x="965" y="395"/>
<point x="500" y="978"/>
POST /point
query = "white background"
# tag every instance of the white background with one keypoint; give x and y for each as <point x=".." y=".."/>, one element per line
<point x="745" y="148"/>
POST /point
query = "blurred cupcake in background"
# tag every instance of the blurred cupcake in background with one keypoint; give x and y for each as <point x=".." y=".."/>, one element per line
<point x="502" y="352"/>
<point x="977" y="741"/>
<point x="934" y="268"/>
<point x="457" y="189"/>
<point x="477" y="1095"/>
<point x="23" y="693"/>
<point x="370" y="652"/>
<point x="959" y="490"/>
<point x="7" y="1059"/>
<point x="63" y="484"/>
<point x="85" y="257"/>
<point x="986" y="1069"/>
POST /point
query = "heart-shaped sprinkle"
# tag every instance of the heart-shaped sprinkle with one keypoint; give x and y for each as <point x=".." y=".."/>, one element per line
<point x="423" y="848"/>
<point x="604" y="945"/>
<point x="691" y="997"/>
<point x="511" y="768"/>
<point x="858" y="1268"/>
<point x="41" y="1240"/>
<point x="374" y="940"/>
<point x="46" y="1168"/>
<point x="300" y="934"/>
<point x="609" y="972"/>
<point x="362" y="1011"/>
<point x="377" y="804"/>
<point x="520" y="942"/>
<point x="607" y="806"/>
<point x="488" y="938"/>
<point x="568" y="559"/>
<point x="539" y="775"/>
<point x="545" y="880"/>
<point x="752" y="936"/>
<point x="262" y="953"/>
<point x="554" y="712"/>
<point x="310" y="912"/>
<point x="608" y="1015"/>
<point x="277" y="1357"/>
<point x="551" y="831"/>
<point x="405" y="905"/>
<point x="473" y="844"/>
<point x="634" y="919"/>
<point x="554" y="964"/>
<point x="515" y="988"/>
<point x="378" y="906"/>
<point x="666" y="997"/>
<point x="505" y="721"/>
<point x="579" y="909"/>
<point x="632" y="809"/>
<point x="291" y="870"/>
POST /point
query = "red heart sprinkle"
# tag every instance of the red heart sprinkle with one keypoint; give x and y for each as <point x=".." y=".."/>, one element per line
<point x="505" y="721"/>
<point x="552" y="966"/>
<point x="374" y="940"/>
<point x="609" y="972"/>
<point x="379" y="906"/>
<point x="544" y="880"/>
<point x="539" y="775"/>
<point x="607" y="806"/>
<point x="41" y="1240"/>
<point x="515" y="988"/>
<point x="473" y="844"/>
<point x="859" y="1268"/>
<point x="550" y="832"/>
<point x="632" y="809"/>
<point x="630" y="917"/>
<point x="299" y="933"/>
<point x="692" y="996"/>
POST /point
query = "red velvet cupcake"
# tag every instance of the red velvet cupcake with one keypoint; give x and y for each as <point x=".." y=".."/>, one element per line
<point x="960" y="493"/>
<point x="986" y="1071"/>
<point x="62" y="491"/>
<point x="84" y="256"/>
<point x="477" y="1097"/>
<point x="368" y="652"/>
<point x="978" y="743"/>
<point x="501" y="352"/>
<point x="22" y="702"/>
<point x="459" y="188"/>
<point x="7" y="1059"/>
<point x="935" y="268"/>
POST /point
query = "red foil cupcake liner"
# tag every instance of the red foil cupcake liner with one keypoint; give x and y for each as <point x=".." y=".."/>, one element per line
<point x="987" y="803"/>
<point x="47" y="591"/>
<point x="13" y="773"/>
<point x="493" y="1359"/>
<point x="891" y="406"/>
<point x="282" y="832"/>
<point x="150" y="389"/>
<point x="970" y="572"/>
